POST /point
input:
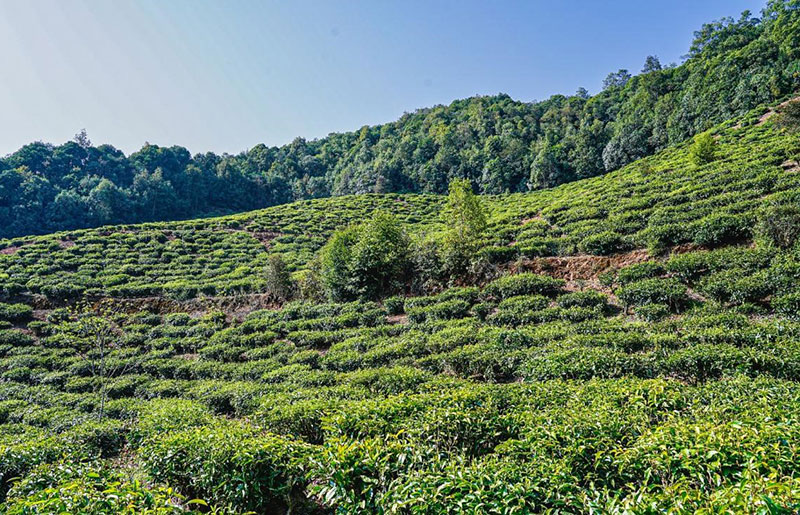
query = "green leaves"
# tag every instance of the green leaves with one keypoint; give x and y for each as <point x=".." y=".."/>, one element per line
<point x="464" y="216"/>
<point x="366" y="261"/>
<point x="523" y="284"/>
<point x="230" y="465"/>
<point x="703" y="150"/>
<point x="654" y="291"/>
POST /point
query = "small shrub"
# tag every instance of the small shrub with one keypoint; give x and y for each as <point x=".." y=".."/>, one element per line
<point x="442" y="311"/>
<point x="523" y="284"/>
<point x="498" y="254"/>
<point x="603" y="244"/>
<point x="639" y="271"/>
<point x="15" y="312"/>
<point x="652" y="312"/>
<point x="394" y="305"/>
<point x="721" y="229"/>
<point x="787" y="305"/>
<point x="584" y="299"/>
<point x="660" y="237"/>
<point x="15" y="338"/>
<point x="78" y="488"/>
<point x="231" y="465"/>
<point x="737" y="286"/>
<point x="703" y="150"/>
<point x="654" y="291"/>
<point x="278" y="279"/>
<point x="482" y="310"/>
<point x="706" y="361"/>
<point x="779" y="225"/>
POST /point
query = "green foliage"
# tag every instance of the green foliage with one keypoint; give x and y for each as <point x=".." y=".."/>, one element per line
<point x="499" y="144"/>
<point x="603" y="244"/>
<point x="278" y="279"/>
<point x="335" y="260"/>
<point x="787" y="305"/>
<point x="654" y="291"/>
<point x="523" y="284"/>
<point x="512" y="398"/>
<point x="66" y="488"/>
<point x="465" y="218"/>
<point x="652" y="312"/>
<point x="779" y="225"/>
<point x="231" y="466"/>
<point x="15" y="312"/>
<point x="445" y="310"/>
<point x="380" y="259"/>
<point x="394" y="305"/>
<point x="736" y="286"/>
<point x="366" y="261"/>
<point x="704" y="149"/>
<point x="789" y="116"/>
<point x="639" y="271"/>
<point x="720" y="229"/>
<point x="584" y="299"/>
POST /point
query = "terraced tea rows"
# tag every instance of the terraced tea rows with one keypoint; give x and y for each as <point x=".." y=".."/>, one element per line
<point x="660" y="376"/>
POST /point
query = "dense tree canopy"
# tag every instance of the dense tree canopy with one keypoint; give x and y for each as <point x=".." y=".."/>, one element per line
<point x="498" y="144"/>
<point x="367" y="260"/>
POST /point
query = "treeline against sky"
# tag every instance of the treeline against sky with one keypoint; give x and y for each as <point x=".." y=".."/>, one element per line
<point x="499" y="144"/>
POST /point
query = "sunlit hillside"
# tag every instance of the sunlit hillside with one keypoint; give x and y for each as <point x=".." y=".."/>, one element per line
<point x="622" y="344"/>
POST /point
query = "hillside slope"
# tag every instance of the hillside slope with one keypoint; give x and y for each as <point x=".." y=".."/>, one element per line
<point x="656" y="203"/>
<point x="650" y="364"/>
<point x="501" y="145"/>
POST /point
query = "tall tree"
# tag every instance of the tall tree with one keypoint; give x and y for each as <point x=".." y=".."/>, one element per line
<point x="380" y="258"/>
<point x="616" y="79"/>
<point x="651" y="64"/>
<point x="465" y="216"/>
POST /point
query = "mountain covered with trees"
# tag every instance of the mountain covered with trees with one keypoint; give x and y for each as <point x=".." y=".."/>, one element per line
<point x="623" y="344"/>
<point x="500" y="145"/>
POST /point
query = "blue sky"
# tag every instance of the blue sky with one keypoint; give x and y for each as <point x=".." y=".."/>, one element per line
<point x="224" y="75"/>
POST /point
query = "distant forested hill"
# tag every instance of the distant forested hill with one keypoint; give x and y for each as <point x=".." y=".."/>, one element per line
<point x="500" y="144"/>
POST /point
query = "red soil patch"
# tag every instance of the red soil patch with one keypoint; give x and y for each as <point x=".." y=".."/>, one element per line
<point x="584" y="270"/>
<point x="265" y="237"/>
<point x="525" y="221"/>
<point x="65" y="244"/>
<point x="40" y="314"/>
<point x="397" y="319"/>
<point x="764" y="117"/>
<point x="791" y="165"/>
<point x="9" y="250"/>
<point x="684" y="248"/>
<point x="769" y="114"/>
<point x="580" y="268"/>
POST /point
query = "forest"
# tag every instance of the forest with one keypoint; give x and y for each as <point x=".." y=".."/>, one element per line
<point x="499" y="144"/>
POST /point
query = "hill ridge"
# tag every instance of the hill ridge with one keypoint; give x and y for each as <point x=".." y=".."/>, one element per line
<point x="501" y="145"/>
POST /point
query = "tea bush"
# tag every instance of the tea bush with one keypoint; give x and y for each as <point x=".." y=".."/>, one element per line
<point x="15" y="312"/>
<point x="603" y="244"/>
<point x="508" y="391"/>
<point x="231" y="466"/>
<point x="654" y="291"/>
<point x="523" y="284"/>
<point x="65" y="488"/>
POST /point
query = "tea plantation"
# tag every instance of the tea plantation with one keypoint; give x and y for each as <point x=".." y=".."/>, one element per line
<point x="628" y="343"/>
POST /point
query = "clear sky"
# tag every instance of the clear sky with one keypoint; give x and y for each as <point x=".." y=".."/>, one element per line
<point x="224" y="75"/>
